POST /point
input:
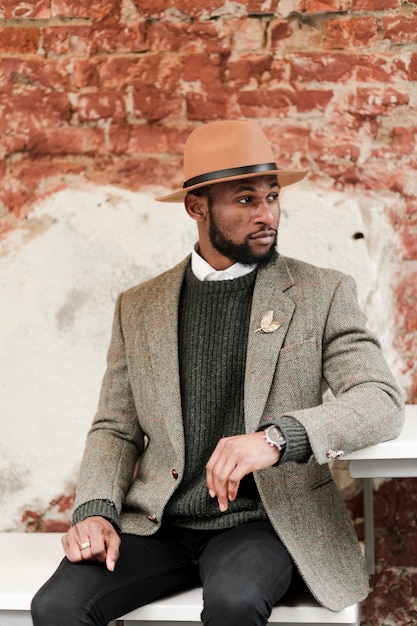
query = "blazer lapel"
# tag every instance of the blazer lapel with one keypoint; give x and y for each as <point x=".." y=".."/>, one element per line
<point x="262" y="352"/>
<point x="263" y="347"/>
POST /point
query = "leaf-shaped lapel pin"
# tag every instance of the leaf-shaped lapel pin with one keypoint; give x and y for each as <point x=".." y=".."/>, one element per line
<point x="267" y="324"/>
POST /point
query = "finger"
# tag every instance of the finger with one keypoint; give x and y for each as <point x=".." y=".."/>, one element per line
<point x="112" y="554"/>
<point x="212" y="466"/>
<point x="105" y="542"/>
<point x="71" y="544"/>
<point x="223" y="475"/>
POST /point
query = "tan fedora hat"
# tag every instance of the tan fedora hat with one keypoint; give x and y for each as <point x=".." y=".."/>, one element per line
<point x="228" y="150"/>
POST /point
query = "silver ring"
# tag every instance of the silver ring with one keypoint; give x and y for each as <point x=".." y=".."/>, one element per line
<point x="85" y="545"/>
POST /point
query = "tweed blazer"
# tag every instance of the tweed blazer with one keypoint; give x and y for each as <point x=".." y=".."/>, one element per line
<point x="322" y="341"/>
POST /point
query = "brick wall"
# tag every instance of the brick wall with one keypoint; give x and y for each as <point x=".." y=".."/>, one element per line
<point x="106" y="92"/>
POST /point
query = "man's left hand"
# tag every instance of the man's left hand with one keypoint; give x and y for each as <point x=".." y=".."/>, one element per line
<point x="234" y="458"/>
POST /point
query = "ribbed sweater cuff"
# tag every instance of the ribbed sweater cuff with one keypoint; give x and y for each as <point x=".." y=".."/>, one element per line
<point x="102" y="508"/>
<point x="298" y="447"/>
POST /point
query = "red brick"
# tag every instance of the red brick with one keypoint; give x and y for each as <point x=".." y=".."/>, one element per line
<point x="256" y="69"/>
<point x="279" y="31"/>
<point x="375" y="5"/>
<point x="350" y="33"/>
<point x="210" y="106"/>
<point x="157" y="69"/>
<point x="153" y="103"/>
<point x="319" y="67"/>
<point x="260" y="7"/>
<point x="324" y="6"/>
<point x="199" y="67"/>
<point x="409" y="243"/>
<point x="116" y="38"/>
<point x="376" y="101"/>
<point x="146" y="138"/>
<point x="170" y="36"/>
<point x="36" y="108"/>
<point x="37" y="177"/>
<point x="289" y="142"/>
<point x="404" y="139"/>
<point x="247" y="35"/>
<point x="381" y="69"/>
<point x="29" y="9"/>
<point x="69" y="39"/>
<point x="259" y="102"/>
<point x="96" y="106"/>
<point x="312" y="99"/>
<point x="134" y="172"/>
<point x="339" y="67"/>
<point x="406" y="303"/>
<point x="19" y="40"/>
<point x="76" y="140"/>
<point x="85" y="73"/>
<point x="380" y="176"/>
<point x="156" y="8"/>
<point x="413" y="67"/>
<point x="118" y="137"/>
<point x="392" y="598"/>
<point x="397" y="549"/>
<point x="17" y="73"/>
<point x="395" y="502"/>
<point x="93" y="10"/>
<point x="346" y="148"/>
<point x="400" y="29"/>
<point x="407" y="228"/>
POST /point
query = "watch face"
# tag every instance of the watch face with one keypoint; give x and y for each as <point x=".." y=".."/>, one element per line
<point x="275" y="436"/>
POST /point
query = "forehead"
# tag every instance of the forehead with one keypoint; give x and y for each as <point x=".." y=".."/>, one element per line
<point x="253" y="184"/>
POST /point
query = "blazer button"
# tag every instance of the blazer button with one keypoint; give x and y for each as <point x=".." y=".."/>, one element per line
<point x="152" y="519"/>
<point x="175" y="474"/>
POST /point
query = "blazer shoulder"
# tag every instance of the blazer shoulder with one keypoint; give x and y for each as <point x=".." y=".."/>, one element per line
<point x="303" y="272"/>
<point x="155" y="284"/>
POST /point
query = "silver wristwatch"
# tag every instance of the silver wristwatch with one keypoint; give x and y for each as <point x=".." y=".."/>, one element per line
<point x="275" y="438"/>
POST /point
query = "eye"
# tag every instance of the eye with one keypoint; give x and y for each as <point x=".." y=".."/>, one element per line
<point x="273" y="197"/>
<point x="245" y="200"/>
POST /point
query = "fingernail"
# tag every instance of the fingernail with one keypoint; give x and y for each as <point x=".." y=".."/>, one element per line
<point x="212" y="493"/>
<point x="222" y="507"/>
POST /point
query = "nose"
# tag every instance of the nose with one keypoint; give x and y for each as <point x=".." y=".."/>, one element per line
<point x="267" y="213"/>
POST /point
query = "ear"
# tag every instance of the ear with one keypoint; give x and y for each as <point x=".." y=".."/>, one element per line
<point x="196" y="207"/>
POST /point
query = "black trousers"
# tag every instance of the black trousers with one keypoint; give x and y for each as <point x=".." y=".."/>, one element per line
<point x="244" y="571"/>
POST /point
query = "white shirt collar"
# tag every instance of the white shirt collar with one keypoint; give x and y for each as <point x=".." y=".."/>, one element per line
<point x="204" y="271"/>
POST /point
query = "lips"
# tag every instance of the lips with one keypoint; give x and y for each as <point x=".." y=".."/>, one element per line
<point x="264" y="236"/>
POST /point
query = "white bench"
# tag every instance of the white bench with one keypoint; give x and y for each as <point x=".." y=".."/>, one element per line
<point x="28" y="560"/>
<point x="184" y="609"/>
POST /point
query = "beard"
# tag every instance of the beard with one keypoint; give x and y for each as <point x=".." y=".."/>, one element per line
<point x="239" y="252"/>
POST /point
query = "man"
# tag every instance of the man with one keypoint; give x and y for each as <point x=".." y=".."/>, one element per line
<point x="208" y="457"/>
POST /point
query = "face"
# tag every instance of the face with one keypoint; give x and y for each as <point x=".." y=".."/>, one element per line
<point x="242" y="222"/>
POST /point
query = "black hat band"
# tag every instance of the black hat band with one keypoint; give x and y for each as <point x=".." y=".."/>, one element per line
<point x="232" y="171"/>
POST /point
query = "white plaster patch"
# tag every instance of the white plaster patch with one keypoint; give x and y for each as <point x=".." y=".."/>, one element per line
<point x="59" y="277"/>
<point x="321" y="227"/>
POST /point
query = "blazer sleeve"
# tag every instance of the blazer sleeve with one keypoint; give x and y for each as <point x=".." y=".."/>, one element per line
<point x="115" y="439"/>
<point x="367" y="406"/>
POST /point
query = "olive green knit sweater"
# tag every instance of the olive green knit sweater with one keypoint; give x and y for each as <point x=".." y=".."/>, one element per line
<point x="213" y="327"/>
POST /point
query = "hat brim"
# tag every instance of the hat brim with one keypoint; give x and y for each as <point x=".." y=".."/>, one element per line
<point x="285" y="177"/>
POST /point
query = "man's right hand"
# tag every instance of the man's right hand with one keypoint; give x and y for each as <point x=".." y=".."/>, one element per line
<point x="93" y="539"/>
